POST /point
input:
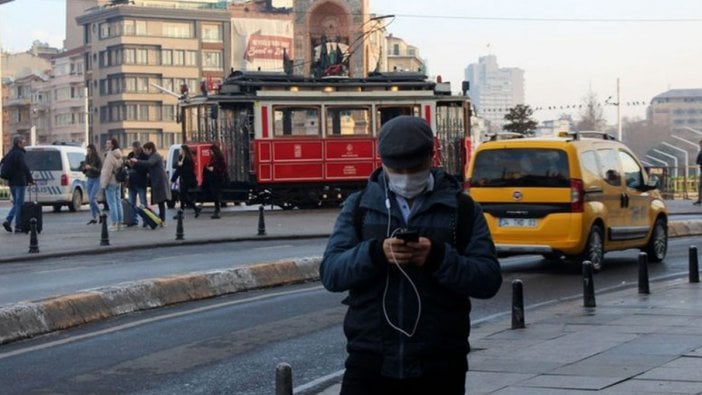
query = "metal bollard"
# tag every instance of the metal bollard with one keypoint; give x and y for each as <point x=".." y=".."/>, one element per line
<point x="179" y="227"/>
<point x="261" y="222"/>
<point x="33" y="242"/>
<point x="104" y="236"/>
<point x="588" y="285"/>
<point x="694" y="266"/>
<point x="283" y="379"/>
<point x="643" y="274"/>
<point x="517" y="304"/>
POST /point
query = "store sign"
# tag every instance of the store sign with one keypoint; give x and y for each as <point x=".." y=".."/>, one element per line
<point x="267" y="47"/>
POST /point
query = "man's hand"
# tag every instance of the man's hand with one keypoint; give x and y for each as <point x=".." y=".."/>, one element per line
<point x="404" y="253"/>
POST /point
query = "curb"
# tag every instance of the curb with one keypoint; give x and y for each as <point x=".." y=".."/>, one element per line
<point x="685" y="228"/>
<point x="28" y="319"/>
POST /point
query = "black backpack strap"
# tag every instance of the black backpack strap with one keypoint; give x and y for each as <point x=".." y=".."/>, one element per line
<point x="464" y="222"/>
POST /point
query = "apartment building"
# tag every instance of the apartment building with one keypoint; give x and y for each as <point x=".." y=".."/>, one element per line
<point x="67" y="97"/>
<point x="26" y="108"/>
<point x="140" y="56"/>
<point x="494" y="90"/>
<point x="677" y="109"/>
<point x="402" y="56"/>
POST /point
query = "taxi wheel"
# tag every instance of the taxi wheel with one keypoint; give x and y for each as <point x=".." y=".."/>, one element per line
<point x="76" y="201"/>
<point x="594" y="249"/>
<point x="658" y="243"/>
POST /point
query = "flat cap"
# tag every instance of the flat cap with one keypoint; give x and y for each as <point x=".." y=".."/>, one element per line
<point x="405" y="142"/>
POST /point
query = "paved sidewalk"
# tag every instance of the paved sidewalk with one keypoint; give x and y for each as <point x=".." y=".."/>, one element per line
<point x="66" y="233"/>
<point x="628" y="344"/>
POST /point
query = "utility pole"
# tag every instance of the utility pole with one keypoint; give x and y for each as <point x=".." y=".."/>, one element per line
<point x="86" y="116"/>
<point x="619" y="112"/>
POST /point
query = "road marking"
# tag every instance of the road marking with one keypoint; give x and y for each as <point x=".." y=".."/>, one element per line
<point x="150" y="320"/>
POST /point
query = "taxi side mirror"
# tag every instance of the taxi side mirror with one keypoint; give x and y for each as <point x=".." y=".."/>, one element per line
<point x="652" y="182"/>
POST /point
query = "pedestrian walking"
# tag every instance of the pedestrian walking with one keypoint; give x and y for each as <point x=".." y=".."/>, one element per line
<point x="16" y="172"/>
<point x="111" y="164"/>
<point x="215" y="176"/>
<point x="138" y="181"/>
<point x="411" y="249"/>
<point x="699" y="181"/>
<point x="91" y="167"/>
<point x="184" y="174"/>
<point x="160" y="188"/>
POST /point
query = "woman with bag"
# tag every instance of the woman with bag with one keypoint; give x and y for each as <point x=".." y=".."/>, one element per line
<point x="186" y="172"/>
<point x="108" y="182"/>
<point x="91" y="168"/>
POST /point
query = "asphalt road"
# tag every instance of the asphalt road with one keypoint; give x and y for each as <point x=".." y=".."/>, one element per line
<point x="232" y="344"/>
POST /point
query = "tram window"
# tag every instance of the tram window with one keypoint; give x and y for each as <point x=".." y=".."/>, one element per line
<point x="387" y="113"/>
<point x="296" y="121"/>
<point x="344" y="121"/>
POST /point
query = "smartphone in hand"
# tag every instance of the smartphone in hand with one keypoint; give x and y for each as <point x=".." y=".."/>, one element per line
<point x="408" y="235"/>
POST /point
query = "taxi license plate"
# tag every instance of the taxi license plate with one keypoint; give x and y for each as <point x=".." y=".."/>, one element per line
<point x="517" y="222"/>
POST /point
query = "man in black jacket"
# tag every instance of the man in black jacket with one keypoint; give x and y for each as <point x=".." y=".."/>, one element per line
<point x="138" y="179"/>
<point x="410" y="264"/>
<point x="18" y="177"/>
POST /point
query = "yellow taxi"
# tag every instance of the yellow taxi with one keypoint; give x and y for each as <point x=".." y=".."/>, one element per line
<point x="576" y="196"/>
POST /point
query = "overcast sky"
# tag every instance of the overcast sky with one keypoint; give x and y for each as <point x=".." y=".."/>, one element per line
<point x="565" y="47"/>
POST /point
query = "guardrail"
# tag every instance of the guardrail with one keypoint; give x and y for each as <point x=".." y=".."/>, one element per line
<point x="674" y="184"/>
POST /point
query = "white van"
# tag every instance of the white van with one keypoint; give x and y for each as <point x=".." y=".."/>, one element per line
<point x="56" y="172"/>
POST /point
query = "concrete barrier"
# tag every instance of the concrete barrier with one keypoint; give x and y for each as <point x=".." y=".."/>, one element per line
<point x="29" y="319"/>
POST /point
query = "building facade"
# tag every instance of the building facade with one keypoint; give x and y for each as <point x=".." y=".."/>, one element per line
<point x="27" y="109"/>
<point x="402" y="56"/>
<point x="494" y="90"/>
<point x="139" y="58"/>
<point x="676" y="109"/>
<point x="67" y="97"/>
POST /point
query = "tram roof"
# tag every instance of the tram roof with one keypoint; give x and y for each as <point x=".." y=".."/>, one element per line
<point x="239" y="82"/>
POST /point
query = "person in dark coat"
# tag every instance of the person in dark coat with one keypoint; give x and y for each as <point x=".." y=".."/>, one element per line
<point x="215" y="176"/>
<point x="18" y="175"/>
<point x="408" y="316"/>
<point x="160" y="187"/>
<point x="185" y="175"/>
<point x="138" y="180"/>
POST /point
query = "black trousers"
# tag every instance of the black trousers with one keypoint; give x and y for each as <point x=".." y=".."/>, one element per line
<point x="365" y="379"/>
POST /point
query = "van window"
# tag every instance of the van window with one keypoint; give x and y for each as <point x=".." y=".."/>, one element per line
<point x="74" y="160"/>
<point x="44" y="160"/>
<point x="174" y="158"/>
<point x="610" y="166"/>
<point x="631" y="169"/>
<point x="528" y="167"/>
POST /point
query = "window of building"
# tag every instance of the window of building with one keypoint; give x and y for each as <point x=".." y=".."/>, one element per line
<point x="129" y="55"/>
<point x="178" y="58"/>
<point x="166" y="57"/>
<point x="396" y="49"/>
<point x="168" y="113"/>
<point x="142" y="56"/>
<point x="190" y="58"/>
<point x="177" y="30"/>
<point x="104" y="30"/>
<point x="212" y="33"/>
<point x="212" y="60"/>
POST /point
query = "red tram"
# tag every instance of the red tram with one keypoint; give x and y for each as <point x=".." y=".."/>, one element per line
<point x="300" y="142"/>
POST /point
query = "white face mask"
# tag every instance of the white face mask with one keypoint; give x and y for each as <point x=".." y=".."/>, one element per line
<point x="408" y="185"/>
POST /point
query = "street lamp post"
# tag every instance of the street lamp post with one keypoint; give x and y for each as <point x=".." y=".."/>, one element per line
<point x="657" y="160"/>
<point x="686" y="171"/>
